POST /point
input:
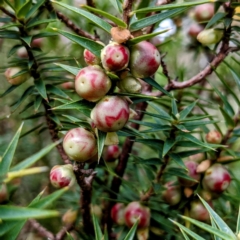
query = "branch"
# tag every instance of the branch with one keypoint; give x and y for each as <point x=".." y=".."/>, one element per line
<point x="42" y="231"/>
<point x="85" y="183"/>
<point x="165" y="70"/>
<point x="69" y="23"/>
<point x="127" y="7"/>
<point x="61" y="234"/>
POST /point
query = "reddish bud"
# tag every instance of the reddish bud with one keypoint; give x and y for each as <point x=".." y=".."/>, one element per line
<point x="194" y="30"/>
<point x="117" y="213"/>
<point x="204" y="12"/>
<point x="37" y="43"/>
<point x="68" y="85"/>
<point x="198" y="211"/>
<point x="90" y="58"/>
<point x="10" y="72"/>
<point x="214" y="137"/>
<point x="3" y="192"/>
<point x="172" y="195"/>
<point x="192" y="172"/>
<point x="80" y="144"/>
<point x="62" y="176"/>
<point x="144" y="59"/>
<point x="115" y="57"/>
<point x="216" y="179"/>
<point x="135" y="211"/>
<point x="92" y="83"/>
<point x="111" y="153"/>
<point x="110" y="114"/>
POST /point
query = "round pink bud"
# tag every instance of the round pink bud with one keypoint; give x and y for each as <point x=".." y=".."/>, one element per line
<point x="3" y="192"/>
<point x="110" y="114"/>
<point x="135" y="211"/>
<point x="10" y="72"/>
<point x="204" y="12"/>
<point x="68" y="85"/>
<point x="117" y="213"/>
<point x="198" y="211"/>
<point x="192" y="172"/>
<point x="144" y="59"/>
<point x="216" y="179"/>
<point x="90" y="58"/>
<point x="172" y="195"/>
<point x="37" y="43"/>
<point x="92" y="83"/>
<point x="22" y="52"/>
<point x="62" y="176"/>
<point x="111" y="153"/>
<point x="80" y="144"/>
<point x="214" y="137"/>
<point x="194" y="30"/>
<point x="115" y="57"/>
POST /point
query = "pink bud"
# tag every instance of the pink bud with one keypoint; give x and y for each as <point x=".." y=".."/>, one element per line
<point x="62" y="176"/>
<point x="111" y="153"/>
<point x="115" y="57"/>
<point x="194" y="30"/>
<point x="68" y="85"/>
<point x="37" y="43"/>
<point x="3" y="192"/>
<point x="110" y="114"/>
<point x="192" y="172"/>
<point x="90" y="58"/>
<point x="117" y="213"/>
<point x="216" y="179"/>
<point x="204" y="12"/>
<point x="10" y="72"/>
<point x="172" y="195"/>
<point x="80" y="144"/>
<point x="198" y="211"/>
<point x="92" y="83"/>
<point x="214" y="137"/>
<point x="144" y="59"/>
<point x="135" y="211"/>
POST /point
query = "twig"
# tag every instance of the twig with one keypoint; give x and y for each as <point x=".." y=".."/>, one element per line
<point x="69" y="23"/>
<point x="42" y="231"/>
<point x="127" y="7"/>
<point x="90" y="3"/>
<point x="164" y="67"/>
<point x="61" y="234"/>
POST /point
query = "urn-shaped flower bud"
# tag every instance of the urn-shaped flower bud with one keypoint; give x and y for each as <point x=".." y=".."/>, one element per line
<point x="80" y="144"/>
<point x="3" y="192"/>
<point x="69" y="217"/>
<point x="192" y="172"/>
<point x="129" y="84"/>
<point x="210" y="36"/>
<point x="204" y="12"/>
<point x="144" y="59"/>
<point x="115" y="57"/>
<point x="111" y="153"/>
<point x="194" y="30"/>
<point x="110" y="114"/>
<point x="135" y="211"/>
<point x="216" y="179"/>
<point x="92" y="83"/>
<point x="198" y="211"/>
<point x="172" y="195"/>
<point x="117" y="213"/>
<point x="62" y="176"/>
<point x="90" y="58"/>
<point x="10" y="72"/>
<point x="214" y="137"/>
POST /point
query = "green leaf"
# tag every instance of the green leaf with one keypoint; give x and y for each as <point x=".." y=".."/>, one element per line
<point x="27" y="40"/>
<point x="91" y="45"/>
<point x="38" y="4"/>
<point x="7" y="158"/>
<point x="37" y="103"/>
<point x="97" y="229"/>
<point x="34" y="158"/>
<point x="100" y="142"/>
<point x="160" y="111"/>
<point x="57" y="91"/>
<point x="145" y="22"/>
<point x="229" y="120"/>
<point x="70" y="69"/>
<point x="9" y="25"/>
<point x="41" y="88"/>
<point x="91" y="17"/>
<point x="218" y="220"/>
<point x="234" y="74"/>
<point x="177" y="159"/>
<point x="43" y="21"/>
<point x="168" y="144"/>
<point x="22" y="12"/>
<point x="158" y="116"/>
<point x="10" y="34"/>
<point x="14" y="213"/>
<point x="171" y="6"/>
<point x="174" y="107"/>
<point x="31" y="130"/>
<point x="153" y="83"/>
<point x="10" y="89"/>
<point x="117" y="5"/>
<point x="188" y="231"/>
<point x="114" y="19"/>
<point x="132" y="232"/>
<point x="184" y="113"/>
<point x="217" y="17"/>
<point x="145" y="37"/>
<point x="238" y="222"/>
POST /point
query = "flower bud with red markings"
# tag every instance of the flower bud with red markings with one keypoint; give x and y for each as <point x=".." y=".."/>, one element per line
<point x="62" y="176"/>
<point x="214" y="137"/>
<point x="172" y="195"/>
<point x="198" y="211"/>
<point x="204" y="12"/>
<point x="111" y="153"/>
<point x="117" y="213"/>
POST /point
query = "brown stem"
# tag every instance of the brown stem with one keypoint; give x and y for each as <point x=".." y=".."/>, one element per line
<point x="62" y="233"/>
<point x="164" y="67"/>
<point x="42" y="231"/>
<point x="69" y="23"/>
<point x="8" y="13"/>
<point x="91" y="3"/>
<point x="127" y="7"/>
